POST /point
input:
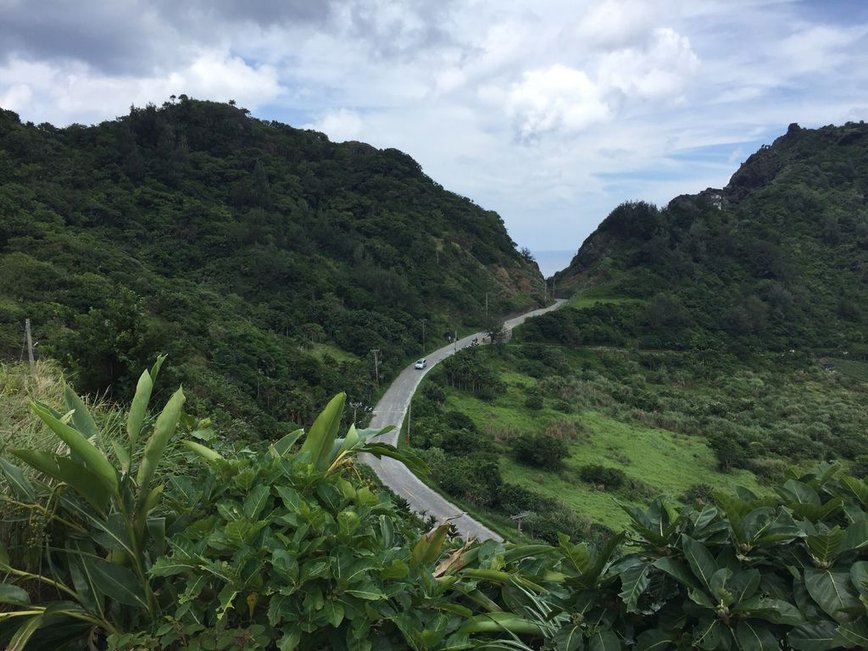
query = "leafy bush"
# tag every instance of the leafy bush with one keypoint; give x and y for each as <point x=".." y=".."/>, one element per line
<point x="610" y="478"/>
<point x="539" y="450"/>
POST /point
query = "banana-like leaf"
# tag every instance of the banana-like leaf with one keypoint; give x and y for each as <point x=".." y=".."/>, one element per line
<point x="284" y="445"/>
<point x="24" y="633"/>
<point x="321" y="436"/>
<point x="123" y="456"/>
<point x="139" y="407"/>
<point x="501" y="622"/>
<point x="165" y="426"/>
<point x="116" y="582"/>
<point x="81" y="416"/>
<point x="155" y="369"/>
<point x="427" y="548"/>
<point x="20" y="486"/>
<point x="88" y="484"/>
<point x="409" y="458"/>
<point x="202" y="450"/>
<point x="78" y="443"/>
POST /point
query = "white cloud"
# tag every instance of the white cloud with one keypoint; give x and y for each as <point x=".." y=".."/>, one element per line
<point x="340" y="125"/>
<point x="661" y="68"/>
<point x="616" y="23"/>
<point x="556" y="98"/>
<point x="616" y="95"/>
<point x="68" y="92"/>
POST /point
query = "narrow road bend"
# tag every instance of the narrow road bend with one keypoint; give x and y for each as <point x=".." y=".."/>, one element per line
<point x="392" y="408"/>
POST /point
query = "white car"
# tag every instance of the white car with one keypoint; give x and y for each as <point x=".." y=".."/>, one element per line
<point x="421" y="363"/>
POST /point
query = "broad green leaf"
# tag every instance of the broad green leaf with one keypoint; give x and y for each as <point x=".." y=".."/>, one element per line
<point x="116" y="582"/>
<point x="13" y="595"/>
<point x="653" y="640"/>
<point x="700" y="560"/>
<point x="139" y="407"/>
<point x="322" y="434"/>
<point x="81" y="479"/>
<point x="832" y="591"/>
<point x="170" y="566"/>
<point x="775" y="611"/>
<point x="165" y="426"/>
<point x="255" y="501"/>
<point x="676" y="570"/>
<point x="816" y="636"/>
<point x="202" y="450"/>
<point x="500" y="622"/>
<point x="857" y="535"/>
<point x="284" y="445"/>
<point x="604" y="641"/>
<point x="753" y="637"/>
<point x="743" y="585"/>
<point x="83" y="580"/>
<point x="858" y="488"/>
<point x="856" y="633"/>
<point x="406" y="456"/>
<point x="292" y="500"/>
<point x="634" y="580"/>
<point x="826" y="547"/>
<point x="797" y="492"/>
<point x="708" y="634"/>
<point x="569" y="638"/>
<point x="21" y="487"/>
<point x="859" y="576"/>
<point x="334" y="612"/>
<point x="95" y="460"/>
<point x="81" y="416"/>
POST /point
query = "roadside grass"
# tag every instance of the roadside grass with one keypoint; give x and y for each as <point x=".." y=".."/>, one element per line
<point x="320" y="350"/>
<point x="20" y="385"/>
<point x="599" y="294"/>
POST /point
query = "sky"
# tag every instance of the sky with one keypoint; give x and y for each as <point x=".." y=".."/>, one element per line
<point x="550" y="112"/>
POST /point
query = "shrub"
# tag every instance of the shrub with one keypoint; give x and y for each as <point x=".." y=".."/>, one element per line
<point x="539" y="450"/>
<point x="610" y="478"/>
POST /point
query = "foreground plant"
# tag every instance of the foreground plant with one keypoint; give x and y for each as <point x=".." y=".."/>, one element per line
<point x="93" y="525"/>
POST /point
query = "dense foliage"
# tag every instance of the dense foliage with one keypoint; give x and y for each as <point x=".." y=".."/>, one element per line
<point x="285" y="547"/>
<point x="776" y="260"/>
<point x="266" y="260"/>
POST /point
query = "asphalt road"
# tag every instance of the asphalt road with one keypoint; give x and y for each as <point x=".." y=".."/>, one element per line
<point x="392" y="408"/>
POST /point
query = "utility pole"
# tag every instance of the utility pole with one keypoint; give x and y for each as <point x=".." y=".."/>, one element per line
<point x="409" y="412"/>
<point x="376" y="352"/>
<point x="486" y="307"/>
<point x="29" y="339"/>
<point x="423" y="336"/>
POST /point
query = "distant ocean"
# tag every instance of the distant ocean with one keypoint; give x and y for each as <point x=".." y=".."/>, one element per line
<point x="551" y="261"/>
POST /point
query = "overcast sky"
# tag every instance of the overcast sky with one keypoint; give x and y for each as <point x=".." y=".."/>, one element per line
<point x="551" y="112"/>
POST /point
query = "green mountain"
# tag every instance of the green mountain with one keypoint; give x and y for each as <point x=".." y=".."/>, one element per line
<point x="776" y="260"/>
<point x="267" y="261"/>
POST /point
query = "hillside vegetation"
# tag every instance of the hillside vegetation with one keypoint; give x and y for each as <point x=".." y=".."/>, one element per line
<point x="776" y="260"/>
<point x="267" y="261"/>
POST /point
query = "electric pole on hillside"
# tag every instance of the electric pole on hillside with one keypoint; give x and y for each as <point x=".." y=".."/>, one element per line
<point x="29" y="339"/>
<point x="486" y="307"/>
<point x="376" y="352"/>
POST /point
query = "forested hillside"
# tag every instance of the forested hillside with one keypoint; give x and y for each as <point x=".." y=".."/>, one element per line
<point x="267" y="261"/>
<point x="776" y="260"/>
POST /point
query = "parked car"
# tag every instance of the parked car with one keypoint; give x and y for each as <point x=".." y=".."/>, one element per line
<point x="421" y="363"/>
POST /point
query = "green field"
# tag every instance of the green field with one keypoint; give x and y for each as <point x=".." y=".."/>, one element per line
<point x="669" y="462"/>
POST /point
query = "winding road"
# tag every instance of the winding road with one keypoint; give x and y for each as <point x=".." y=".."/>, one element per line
<point x="392" y="408"/>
